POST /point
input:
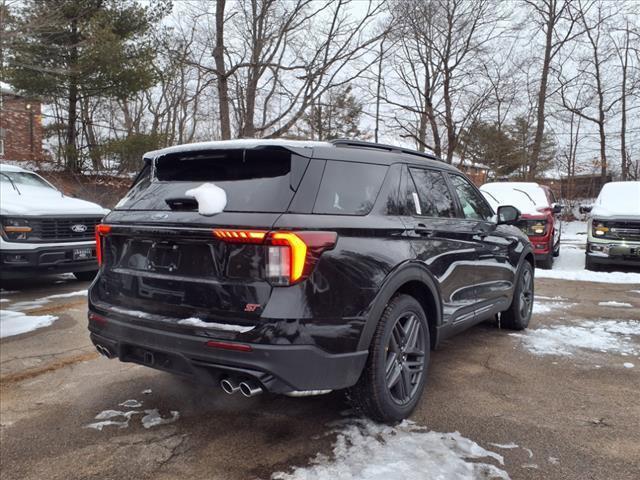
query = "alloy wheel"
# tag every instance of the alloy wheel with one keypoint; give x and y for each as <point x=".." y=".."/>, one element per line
<point x="404" y="365"/>
<point x="526" y="293"/>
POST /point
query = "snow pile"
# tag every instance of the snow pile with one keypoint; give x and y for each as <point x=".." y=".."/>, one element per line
<point x="628" y="365"/>
<point x="120" y="419"/>
<point x="211" y="198"/>
<point x="613" y="303"/>
<point x="153" y="418"/>
<point x="609" y="336"/>
<point x="196" y="322"/>
<point x="31" y="304"/>
<point x="15" y="323"/>
<point x="368" y="451"/>
<point x="570" y="266"/>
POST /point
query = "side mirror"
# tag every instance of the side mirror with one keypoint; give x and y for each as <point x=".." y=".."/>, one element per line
<point x="556" y="208"/>
<point x="508" y="215"/>
<point x="585" y="208"/>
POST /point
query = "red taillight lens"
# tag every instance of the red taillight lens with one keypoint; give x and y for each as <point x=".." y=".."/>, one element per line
<point x="290" y="256"/>
<point x="238" y="347"/>
<point x="101" y="231"/>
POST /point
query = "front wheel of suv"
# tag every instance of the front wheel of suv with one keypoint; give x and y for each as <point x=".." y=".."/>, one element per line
<point x="394" y="376"/>
<point x="517" y="316"/>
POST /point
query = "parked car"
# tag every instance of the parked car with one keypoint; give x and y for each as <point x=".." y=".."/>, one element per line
<point x="540" y="215"/>
<point x="613" y="234"/>
<point x="42" y="230"/>
<point x="329" y="266"/>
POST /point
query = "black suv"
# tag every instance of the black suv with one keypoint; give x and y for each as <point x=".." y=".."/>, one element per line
<point x="332" y="266"/>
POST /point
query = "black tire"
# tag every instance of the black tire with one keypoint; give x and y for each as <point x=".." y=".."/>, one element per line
<point x="517" y="316"/>
<point x="85" y="276"/>
<point x="591" y="265"/>
<point x="547" y="262"/>
<point x="392" y="358"/>
<point x="556" y="251"/>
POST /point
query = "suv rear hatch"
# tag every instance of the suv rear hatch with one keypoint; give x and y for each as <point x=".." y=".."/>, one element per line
<point x="162" y="260"/>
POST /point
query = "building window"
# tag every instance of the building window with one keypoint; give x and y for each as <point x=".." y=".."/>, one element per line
<point x="1" y="146"/>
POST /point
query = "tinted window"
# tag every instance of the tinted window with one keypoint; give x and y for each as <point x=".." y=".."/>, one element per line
<point x="473" y="204"/>
<point x="349" y="188"/>
<point x="254" y="180"/>
<point x="431" y="197"/>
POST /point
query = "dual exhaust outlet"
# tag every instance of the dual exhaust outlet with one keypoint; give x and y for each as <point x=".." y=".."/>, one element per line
<point x="105" y="351"/>
<point x="247" y="388"/>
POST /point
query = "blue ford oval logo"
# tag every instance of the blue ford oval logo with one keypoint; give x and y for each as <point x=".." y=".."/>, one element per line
<point x="78" y="228"/>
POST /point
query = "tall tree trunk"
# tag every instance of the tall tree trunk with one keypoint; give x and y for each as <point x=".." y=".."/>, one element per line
<point x="72" y="113"/>
<point x="222" y="80"/>
<point x="542" y="99"/>
<point x="623" y="114"/>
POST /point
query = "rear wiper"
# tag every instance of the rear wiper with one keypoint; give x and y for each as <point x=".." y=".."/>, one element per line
<point x="11" y="181"/>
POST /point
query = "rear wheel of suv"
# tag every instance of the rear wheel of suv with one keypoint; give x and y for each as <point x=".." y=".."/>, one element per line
<point x="85" y="276"/>
<point x="517" y="316"/>
<point x="394" y="376"/>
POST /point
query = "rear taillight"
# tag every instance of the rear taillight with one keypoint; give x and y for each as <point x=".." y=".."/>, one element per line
<point x="101" y="231"/>
<point x="289" y="256"/>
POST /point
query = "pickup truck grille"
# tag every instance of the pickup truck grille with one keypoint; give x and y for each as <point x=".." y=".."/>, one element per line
<point x="621" y="230"/>
<point x="60" y="229"/>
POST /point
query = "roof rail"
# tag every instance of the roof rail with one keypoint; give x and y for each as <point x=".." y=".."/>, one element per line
<point x="346" y="142"/>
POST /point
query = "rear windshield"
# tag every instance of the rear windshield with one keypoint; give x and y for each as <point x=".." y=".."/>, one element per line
<point x="254" y="180"/>
<point x="349" y="188"/>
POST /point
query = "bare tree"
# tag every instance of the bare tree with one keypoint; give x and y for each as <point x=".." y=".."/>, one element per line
<point x="444" y="44"/>
<point x="557" y="22"/>
<point x="597" y="96"/>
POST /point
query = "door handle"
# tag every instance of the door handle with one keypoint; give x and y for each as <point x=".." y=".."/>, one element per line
<point x="421" y="229"/>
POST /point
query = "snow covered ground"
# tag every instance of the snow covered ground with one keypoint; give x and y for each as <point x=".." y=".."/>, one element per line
<point x="15" y="323"/>
<point x="597" y="336"/>
<point x="570" y="264"/>
<point x="14" y="320"/>
<point x="367" y="451"/>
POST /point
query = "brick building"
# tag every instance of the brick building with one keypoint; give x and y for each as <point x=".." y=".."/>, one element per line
<point x="20" y="126"/>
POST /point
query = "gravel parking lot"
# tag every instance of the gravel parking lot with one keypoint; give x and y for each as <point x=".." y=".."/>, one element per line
<point x="559" y="401"/>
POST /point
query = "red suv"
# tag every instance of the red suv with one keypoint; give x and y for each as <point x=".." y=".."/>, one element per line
<point x="540" y="218"/>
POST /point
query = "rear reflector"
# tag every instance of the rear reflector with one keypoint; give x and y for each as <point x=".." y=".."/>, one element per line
<point x="101" y="231"/>
<point x="95" y="318"/>
<point x="238" y="347"/>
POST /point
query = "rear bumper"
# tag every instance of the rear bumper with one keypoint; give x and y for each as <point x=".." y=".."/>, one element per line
<point x="44" y="260"/>
<point x="278" y="368"/>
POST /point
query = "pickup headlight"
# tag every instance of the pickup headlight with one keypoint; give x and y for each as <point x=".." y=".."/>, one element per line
<point x="16" y="228"/>
<point x="534" y="228"/>
<point x="599" y="229"/>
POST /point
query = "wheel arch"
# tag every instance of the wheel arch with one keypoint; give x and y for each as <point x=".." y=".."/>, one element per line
<point x="410" y="279"/>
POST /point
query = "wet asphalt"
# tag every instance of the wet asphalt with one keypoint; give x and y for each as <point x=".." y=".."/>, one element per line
<point x="572" y="417"/>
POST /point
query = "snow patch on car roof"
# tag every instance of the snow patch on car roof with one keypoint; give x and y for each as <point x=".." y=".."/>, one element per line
<point x="618" y="199"/>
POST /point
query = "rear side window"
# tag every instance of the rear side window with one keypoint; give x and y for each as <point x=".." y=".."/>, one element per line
<point x="431" y="196"/>
<point x="349" y="188"/>
<point x="262" y="180"/>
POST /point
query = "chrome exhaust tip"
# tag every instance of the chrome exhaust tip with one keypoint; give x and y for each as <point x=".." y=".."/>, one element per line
<point x="104" y="351"/>
<point x="229" y="386"/>
<point x="250" y="389"/>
